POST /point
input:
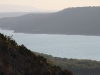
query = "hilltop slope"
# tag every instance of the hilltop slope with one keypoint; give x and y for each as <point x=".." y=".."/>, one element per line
<point x="18" y="60"/>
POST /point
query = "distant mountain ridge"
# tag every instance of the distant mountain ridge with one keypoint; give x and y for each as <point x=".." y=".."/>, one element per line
<point x="12" y="14"/>
<point x="17" y="8"/>
<point x="78" y="21"/>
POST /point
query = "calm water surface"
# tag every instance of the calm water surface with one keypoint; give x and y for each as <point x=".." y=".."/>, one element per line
<point x="69" y="46"/>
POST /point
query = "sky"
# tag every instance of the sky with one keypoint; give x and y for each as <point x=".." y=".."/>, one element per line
<point x="52" y="4"/>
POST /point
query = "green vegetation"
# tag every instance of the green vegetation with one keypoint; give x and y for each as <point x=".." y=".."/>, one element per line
<point x="77" y="66"/>
<point x="72" y="63"/>
<point x="22" y="60"/>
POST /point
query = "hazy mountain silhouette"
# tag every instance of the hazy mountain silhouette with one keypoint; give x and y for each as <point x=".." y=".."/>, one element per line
<point x="80" y="20"/>
<point x="17" y="8"/>
<point x="12" y="14"/>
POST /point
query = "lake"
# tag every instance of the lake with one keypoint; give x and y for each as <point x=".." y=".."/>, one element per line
<point x="68" y="46"/>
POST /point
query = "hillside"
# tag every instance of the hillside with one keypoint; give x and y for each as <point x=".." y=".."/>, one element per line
<point x="77" y="66"/>
<point x="78" y="21"/>
<point x="18" y="60"/>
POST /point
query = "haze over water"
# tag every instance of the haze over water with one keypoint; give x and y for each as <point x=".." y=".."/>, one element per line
<point x="68" y="46"/>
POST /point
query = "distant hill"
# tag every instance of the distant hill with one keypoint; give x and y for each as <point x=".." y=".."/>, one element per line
<point x="12" y="14"/>
<point x="78" y="21"/>
<point x="18" y="60"/>
<point x="17" y="8"/>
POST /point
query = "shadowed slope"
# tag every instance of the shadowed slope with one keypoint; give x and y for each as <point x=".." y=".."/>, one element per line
<point x="18" y="60"/>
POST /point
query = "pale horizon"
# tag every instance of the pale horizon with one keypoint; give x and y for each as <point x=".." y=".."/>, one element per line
<point x="51" y="4"/>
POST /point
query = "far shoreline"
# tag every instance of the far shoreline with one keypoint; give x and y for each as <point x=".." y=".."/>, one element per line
<point x="26" y="32"/>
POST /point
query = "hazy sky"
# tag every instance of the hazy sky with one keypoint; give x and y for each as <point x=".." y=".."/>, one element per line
<point x="52" y="4"/>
